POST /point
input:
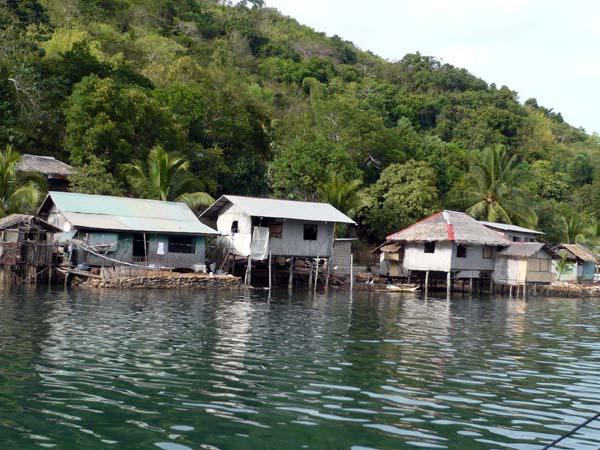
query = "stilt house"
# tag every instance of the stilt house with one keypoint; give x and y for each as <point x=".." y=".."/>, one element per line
<point x="450" y="242"/>
<point x="583" y="263"/>
<point x="524" y="263"/>
<point x="255" y="227"/>
<point x="56" y="172"/>
<point x="110" y="231"/>
<point x="26" y="247"/>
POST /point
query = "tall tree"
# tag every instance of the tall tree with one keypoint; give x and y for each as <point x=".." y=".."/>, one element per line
<point x="18" y="192"/>
<point x="163" y="178"/>
<point x="342" y="194"/>
<point x="491" y="189"/>
<point x="573" y="229"/>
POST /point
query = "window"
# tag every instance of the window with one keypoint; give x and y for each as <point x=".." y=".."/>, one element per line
<point x="487" y="252"/>
<point x="429" y="247"/>
<point x="140" y="246"/>
<point x="310" y="232"/>
<point x="182" y="244"/>
<point x="275" y="229"/>
<point x="516" y="239"/>
<point x="461" y="251"/>
<point x="544" y="265"/>
<point x="235" y="228"/>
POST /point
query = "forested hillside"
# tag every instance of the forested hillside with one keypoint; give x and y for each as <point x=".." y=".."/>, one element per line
<point x="261" y="105"/>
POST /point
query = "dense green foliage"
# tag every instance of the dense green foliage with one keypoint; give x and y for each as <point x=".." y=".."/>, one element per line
<point x="260" y="105"/>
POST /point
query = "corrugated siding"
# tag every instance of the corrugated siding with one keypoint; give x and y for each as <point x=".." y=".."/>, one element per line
<point x="342" y="251"/>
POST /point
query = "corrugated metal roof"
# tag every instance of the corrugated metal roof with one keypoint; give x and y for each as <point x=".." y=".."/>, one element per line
<point x="127" y="214"/>
<point x="279" y="209"/>
<point x="14" y="219"/>
<point x="507" y="227"/>
<point x="450" y="226"/>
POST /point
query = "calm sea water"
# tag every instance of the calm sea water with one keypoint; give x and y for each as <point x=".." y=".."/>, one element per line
<point x="181" y="370"/>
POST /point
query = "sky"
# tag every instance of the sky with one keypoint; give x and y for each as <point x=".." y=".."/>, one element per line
<point x="546" y="49"/>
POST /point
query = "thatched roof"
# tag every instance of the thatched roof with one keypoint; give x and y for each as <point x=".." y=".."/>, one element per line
<point x="27" y="220"/>
<point x="46" y="165"/>
<point x="450" y="226"/>
<point x="525" y="249"/>
<point x="576" y="252"/>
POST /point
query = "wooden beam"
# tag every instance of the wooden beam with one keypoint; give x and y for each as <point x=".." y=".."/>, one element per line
<point x="291" y="276"/>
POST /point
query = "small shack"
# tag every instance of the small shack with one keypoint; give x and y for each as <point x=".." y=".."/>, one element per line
<point x="391" y="254"/>
<point x="452" y="243"/>
<point x="26" y="248"/>
<point x="583" y="261"/>
<point x="56" y="172"/>
<point x="260" y="228"/>
<point x="513" y="233"/>
<point x="524" y="263"/>
<point x="110" y="231"/>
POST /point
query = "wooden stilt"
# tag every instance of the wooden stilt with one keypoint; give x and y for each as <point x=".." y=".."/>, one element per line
<point x="510" y="290"/>
<point x="408" y="280"/>
<point x="310" y="274"/>
<point x="426" y="283"/>
<point x="248" y="281"/>
<point x="492" y="287"/>
<point x="291" y="276"/>
<point x="270" y="271"/>
<point x="316" y="274"/>
<point x="471" y="285"/>
<point x="328" y="273"/>
<point x="351" y="272"/>
<point x="448" y="284"/>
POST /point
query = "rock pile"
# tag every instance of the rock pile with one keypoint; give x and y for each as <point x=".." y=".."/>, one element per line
<point x="172" y="281"/>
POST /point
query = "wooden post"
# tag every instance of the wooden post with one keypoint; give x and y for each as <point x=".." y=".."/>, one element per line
<point x="248" y="280"/>
<point x="510" y="289"/>
<point x="448" y="287"/>
<point x="317" y="274"/>
<point x="291" y="277"/>
<point x="426" y="283"/>
<point x="233" y="265"/>
<point x="492" y="287"/>
<point x="310" y="273"/>
<point x="351" y="272"/>
<point x="328" y="273"/>
<point x="270" y="270"/>
<point x="471" y="285"/>
<point x="145" y="250"/>
<point x="408" y="279"/>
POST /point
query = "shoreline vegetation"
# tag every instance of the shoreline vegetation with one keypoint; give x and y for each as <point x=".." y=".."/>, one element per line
<point x="189" y="100"/>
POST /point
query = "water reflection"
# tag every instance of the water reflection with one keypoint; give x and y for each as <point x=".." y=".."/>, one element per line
<point x="181" y="370"/>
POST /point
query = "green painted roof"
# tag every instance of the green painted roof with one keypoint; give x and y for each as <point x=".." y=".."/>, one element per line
<point x="126" y="214"/>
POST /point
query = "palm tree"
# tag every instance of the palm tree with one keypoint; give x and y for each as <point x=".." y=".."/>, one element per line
<point x="163" y="178"/>
<point x="341" y="194"/>
<point x="573" y="229"/>
<point x="491" y="189"/>
<point x="18" y="192"/>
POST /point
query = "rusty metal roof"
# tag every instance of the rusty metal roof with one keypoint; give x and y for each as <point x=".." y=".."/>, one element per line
<point x="125" y="214"/>
<point x="279" y="209"/>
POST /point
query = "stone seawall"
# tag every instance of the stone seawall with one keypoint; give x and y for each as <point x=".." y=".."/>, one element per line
<point x="182" y="281"/>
